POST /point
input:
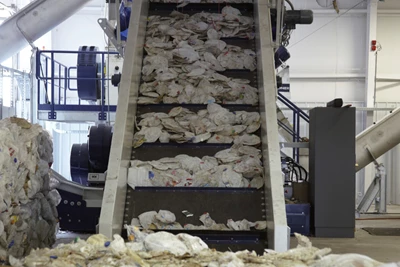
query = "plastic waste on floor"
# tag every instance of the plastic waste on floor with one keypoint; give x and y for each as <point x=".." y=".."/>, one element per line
<point x="166" y="249"/>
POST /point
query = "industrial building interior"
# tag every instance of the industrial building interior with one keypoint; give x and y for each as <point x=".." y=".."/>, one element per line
<point x="242" y="123"/>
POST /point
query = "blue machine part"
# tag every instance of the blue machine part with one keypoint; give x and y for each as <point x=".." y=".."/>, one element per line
<point x="74" y="215"/>
<point x="88" y="74"/>
<point x="124" y="35"/>
<point x="79" y="163"/>
<point x="99" y="147"/>
<point x="298" y="218"/>
<point x="281" y="55"/>
<point x="124" y="18"/>
<point x="124" y="15"/>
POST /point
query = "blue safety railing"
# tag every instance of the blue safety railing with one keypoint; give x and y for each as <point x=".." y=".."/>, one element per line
<point x="54" y="81"/>
<point x="298" y="116"/>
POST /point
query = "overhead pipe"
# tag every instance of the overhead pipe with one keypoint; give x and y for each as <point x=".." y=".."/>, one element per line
<point x="378" y="139"/>
<point x="32" y="22"/>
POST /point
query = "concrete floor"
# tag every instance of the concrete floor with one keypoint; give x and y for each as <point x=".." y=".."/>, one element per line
<point x="381" y="248"/>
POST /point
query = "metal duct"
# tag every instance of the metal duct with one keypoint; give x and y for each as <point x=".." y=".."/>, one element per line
<point x="378" y="139"/>
<point x="32" y="22"/>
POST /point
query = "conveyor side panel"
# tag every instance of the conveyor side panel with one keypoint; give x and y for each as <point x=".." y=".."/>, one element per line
<point x="113" y="205"/>
<point x="278" y="231"/>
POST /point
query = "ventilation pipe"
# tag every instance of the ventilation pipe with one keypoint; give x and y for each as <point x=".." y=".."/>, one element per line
<point x="32" y="22"/>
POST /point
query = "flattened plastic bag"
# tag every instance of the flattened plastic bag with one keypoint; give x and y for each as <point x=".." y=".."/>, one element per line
<point x="208" y="163"/>
<point x="150" y="134"/>
<point x="193" y="243"/>
<point x="134" y="234"/>
<point x="163" y="241"/>
<point x="248" y="140"/>
<point x="165" y="216"/>
<point x="139" y="176"/>
<point x="243" y="225"/>
<point x="200" y="138"/>
<point x="164" y="137"/>
<point x="260" y="225"/>
<point x="249" y="166"/>
<point x="207" y="220"/>
<point x="220" y="139"/>
<point x="190" y="164"/>
<point x="348" y="260"/>
<point x="257" y="182"/>
<point x="249" y="150"/>
<point x="204" y="178"/>
<point x="147" y="218"/>
<point x="226" y="156"/>
<point x="230" y="178"/>
<point x="169" y="226"/>
<point x="54" y="197"/>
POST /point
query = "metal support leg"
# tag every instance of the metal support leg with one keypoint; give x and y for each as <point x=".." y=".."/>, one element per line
<point x="380" y="200"/>
<point x="378" y="186"/>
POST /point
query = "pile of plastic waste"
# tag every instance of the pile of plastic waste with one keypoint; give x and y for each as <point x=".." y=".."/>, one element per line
<point x="214" y="125"/>
<point x="185" y="54"/>
<point x="28" y="214"/>
<point x="238" y="166"/>
<point x="166" y="220"/>
<point x="166" y="249"/>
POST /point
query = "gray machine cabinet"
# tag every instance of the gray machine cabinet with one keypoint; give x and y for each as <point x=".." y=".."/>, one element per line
<point x="332" y="171"/>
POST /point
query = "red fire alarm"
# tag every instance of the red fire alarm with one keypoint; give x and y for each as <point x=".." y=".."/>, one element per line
<point x="373" y="48"/>
<point x="373" y="42"/>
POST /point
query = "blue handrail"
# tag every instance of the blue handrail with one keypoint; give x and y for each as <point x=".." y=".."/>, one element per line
<point x="54" y="78"/>
<point x="298" y="114"/>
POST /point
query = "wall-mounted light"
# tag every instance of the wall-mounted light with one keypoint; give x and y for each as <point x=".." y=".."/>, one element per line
<point x="373" y="45"/>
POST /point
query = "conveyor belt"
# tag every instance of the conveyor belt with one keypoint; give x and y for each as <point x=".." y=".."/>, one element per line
<point x="222" y="203"/>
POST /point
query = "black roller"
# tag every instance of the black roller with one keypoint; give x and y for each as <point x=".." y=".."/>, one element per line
<point x="88" y="82"/>
<point x="99" y="146"/>
<point x="336" y="103"/>
<point x="79" y="163"/>
<point x="293" y="17"/>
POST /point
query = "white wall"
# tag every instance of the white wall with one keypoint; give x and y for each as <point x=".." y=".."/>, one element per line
<point x="330" y="62"/>
<point x="388" y="58"/>
<point x="79" y="30"/>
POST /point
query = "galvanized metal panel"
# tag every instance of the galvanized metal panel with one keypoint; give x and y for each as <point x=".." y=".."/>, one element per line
<point x="33" y="21"/>
<point x="111" y="217"/>
<point x="378" y="139"/>
<point x="275" y="204"/>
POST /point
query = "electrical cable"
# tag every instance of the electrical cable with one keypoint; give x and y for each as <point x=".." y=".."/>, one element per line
<point x="329" y="22"/>
<point x="286" y="34"/>
<point x="290" y="4"/>
<point x="11" y="11"/>
<point x="292" y="165"/>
